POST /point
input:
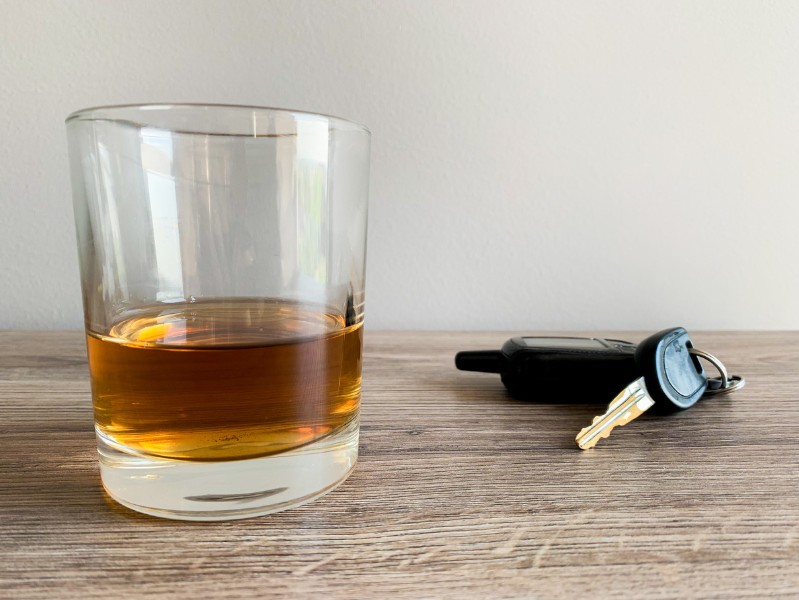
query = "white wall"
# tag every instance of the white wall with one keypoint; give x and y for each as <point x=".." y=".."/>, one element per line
<point x="535" y="164"/>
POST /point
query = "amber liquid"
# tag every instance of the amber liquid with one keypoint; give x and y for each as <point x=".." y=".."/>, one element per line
<point x="225" y="379"/>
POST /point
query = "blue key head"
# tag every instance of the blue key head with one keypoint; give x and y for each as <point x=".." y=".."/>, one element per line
<point x="674" y="378"/>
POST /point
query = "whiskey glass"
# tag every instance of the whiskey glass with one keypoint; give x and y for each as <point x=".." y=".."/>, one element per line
<point x="222" y="261"/>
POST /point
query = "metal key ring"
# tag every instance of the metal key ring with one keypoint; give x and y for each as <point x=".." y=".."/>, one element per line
<point x="735" y="382"/>
<point x="726" y="386"/>
<point x="715" y="362"/>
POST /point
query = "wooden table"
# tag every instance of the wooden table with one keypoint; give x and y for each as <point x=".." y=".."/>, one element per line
<point x="461" y="492"/>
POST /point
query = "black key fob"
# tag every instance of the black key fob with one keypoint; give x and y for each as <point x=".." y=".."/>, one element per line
<point x="558" y="369"/>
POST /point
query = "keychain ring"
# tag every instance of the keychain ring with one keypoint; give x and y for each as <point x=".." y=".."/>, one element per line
<point x="735" y="382"/>
<point x="728" y="384"/>
<point x="715" y="362"/>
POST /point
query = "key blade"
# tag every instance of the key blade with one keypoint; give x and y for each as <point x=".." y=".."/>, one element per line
<point x="629" y="404"/>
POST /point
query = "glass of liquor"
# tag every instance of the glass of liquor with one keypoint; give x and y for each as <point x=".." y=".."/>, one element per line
<point x="222" y="258"/>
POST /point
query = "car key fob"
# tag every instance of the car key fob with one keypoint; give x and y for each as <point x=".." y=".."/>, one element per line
<point x="557" y="369"/>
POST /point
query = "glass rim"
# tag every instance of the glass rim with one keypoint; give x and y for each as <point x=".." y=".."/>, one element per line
<point x="87" y="114"/>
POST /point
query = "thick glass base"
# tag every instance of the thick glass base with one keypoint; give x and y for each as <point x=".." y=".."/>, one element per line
<point x="216" y="491"/>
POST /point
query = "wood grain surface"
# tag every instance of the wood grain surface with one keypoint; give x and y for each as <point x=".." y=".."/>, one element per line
<point x="460" y="492"/>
